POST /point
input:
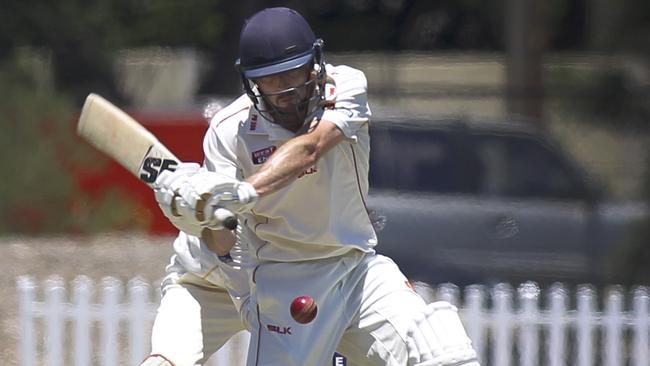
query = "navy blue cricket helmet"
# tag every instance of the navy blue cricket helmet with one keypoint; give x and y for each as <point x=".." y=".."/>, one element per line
<point x="277" y="40"/>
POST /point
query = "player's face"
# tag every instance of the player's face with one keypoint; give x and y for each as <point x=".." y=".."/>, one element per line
<point x="287" y="92"/>
<point x="280" y="89"/>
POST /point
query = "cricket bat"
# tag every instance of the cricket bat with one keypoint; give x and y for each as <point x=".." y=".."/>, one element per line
<point x="122" y="138"/>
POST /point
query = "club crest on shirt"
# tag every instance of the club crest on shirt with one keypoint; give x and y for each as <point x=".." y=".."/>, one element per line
<point x="260" y="156"/>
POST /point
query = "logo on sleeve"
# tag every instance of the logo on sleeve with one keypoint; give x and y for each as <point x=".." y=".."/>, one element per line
<point x="260" y="156"/>
<point x="253" y="122"/>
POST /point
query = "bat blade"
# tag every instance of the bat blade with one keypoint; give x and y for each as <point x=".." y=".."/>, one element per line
<point x="118" y="135"/>
<point x="122" y="138"/>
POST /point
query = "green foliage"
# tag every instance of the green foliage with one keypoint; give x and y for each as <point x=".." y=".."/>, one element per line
<point x="39" y="154"/>
<point x="607" y="97"/>
<point x="84" y="36"/>
<point x="112" y="24"/>
<point x="196" y="23"/>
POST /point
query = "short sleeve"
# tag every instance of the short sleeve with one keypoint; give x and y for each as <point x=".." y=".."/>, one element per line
<point x="348" y="92"/>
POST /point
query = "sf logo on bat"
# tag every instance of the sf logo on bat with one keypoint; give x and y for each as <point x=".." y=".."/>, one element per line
<point x="152" y="166"/>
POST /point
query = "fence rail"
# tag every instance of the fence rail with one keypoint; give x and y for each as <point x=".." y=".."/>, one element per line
<point x="84" y="326"/>
<point x="524" y="326"/>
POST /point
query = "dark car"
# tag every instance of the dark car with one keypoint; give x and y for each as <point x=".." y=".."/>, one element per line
<point x="480" y="201"/>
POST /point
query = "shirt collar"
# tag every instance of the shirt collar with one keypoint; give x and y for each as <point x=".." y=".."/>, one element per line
<point x="254" y="125"/>
<point x="276" y="132"/>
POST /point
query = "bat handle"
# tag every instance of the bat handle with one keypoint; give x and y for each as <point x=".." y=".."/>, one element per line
<point x="228" y="218"/>
<point x="223" y="215"/>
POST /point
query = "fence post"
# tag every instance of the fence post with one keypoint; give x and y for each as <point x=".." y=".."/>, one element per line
<point x="475" y="324"/>
<point x="584" y="324"/>
<point x="528" y="294"/>
<point x="641" y="328"/>
<point x="110" y="317"/>
<point x="426" y="292"/>
<point x="509" y="328"/>
<point x="613" y="324"/>
<point x="502" y="315"/>
<point x="448" y="292"/>
<point x="557" y="327"/>
<point x="138" y="316"/>
<point x="82" y="292"/>
<point x="54" y="320"/>
<point x="26" y="289"/>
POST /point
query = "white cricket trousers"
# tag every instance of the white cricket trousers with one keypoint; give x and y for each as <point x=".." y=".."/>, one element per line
<point x="365" y="305"/>
<point x="193" y="322"/>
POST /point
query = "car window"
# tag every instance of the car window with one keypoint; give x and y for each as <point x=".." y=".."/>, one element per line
<point x="421" y="160"/>
<point x="519" y="166"/>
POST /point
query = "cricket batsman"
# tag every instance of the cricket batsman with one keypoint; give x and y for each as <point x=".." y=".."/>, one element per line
<point x="290" y="159"/>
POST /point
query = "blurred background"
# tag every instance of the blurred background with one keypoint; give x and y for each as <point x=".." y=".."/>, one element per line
<point x="548" y="100"/>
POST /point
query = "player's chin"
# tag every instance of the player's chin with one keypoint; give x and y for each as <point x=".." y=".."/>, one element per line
<point x="291" y="123"/>
<point x="290" y="119"/>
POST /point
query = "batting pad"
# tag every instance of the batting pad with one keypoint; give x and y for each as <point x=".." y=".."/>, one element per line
<point x="437" y="338"/>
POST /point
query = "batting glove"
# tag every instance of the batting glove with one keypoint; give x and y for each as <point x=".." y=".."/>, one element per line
<point x="206" y="193"/>
<point x="171" y="204"/>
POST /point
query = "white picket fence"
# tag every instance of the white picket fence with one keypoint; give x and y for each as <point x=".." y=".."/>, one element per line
<point x="517" y="328"/>
<point x="72" y="329"/>
<point x="521" y="327"/>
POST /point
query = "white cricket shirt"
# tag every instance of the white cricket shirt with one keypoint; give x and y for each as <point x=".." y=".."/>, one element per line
<point x="321" y="214"/>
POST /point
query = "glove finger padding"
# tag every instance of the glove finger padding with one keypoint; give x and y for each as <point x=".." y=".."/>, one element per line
<point x="206" y="192"/>
<point x="237" y="197"/>
<point x="177" y="215"/>
<point x="437" y="338"/>
<point x="173" y="179"/>
<point x="196" y="191"/>
<point x="168" y="183"/>
<point x="187" y="201"/>
<point x="203" y="198"/>
<point x="164" y="197"/>
<point x="247" y="196"/>
<point x="166" y="189"/>
<point x="205" y="182"/>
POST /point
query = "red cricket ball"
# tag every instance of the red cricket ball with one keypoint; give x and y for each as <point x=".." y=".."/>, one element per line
<point x="303" y="309"/>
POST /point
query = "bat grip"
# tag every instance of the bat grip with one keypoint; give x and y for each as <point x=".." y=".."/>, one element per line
<point x="225" y="216"/>
<point x="228" y="218"/>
